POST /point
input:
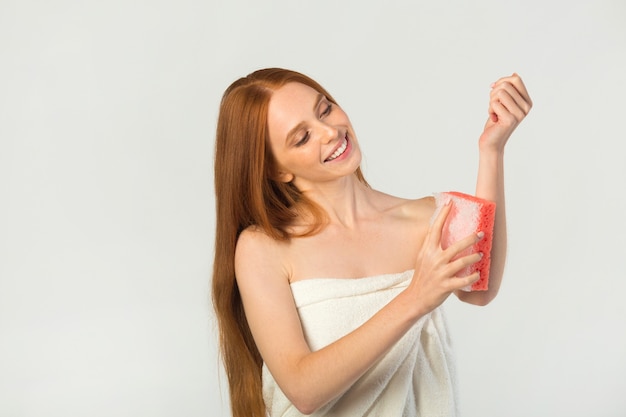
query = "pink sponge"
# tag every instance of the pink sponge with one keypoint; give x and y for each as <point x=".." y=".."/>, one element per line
<point x="468" y="215"/>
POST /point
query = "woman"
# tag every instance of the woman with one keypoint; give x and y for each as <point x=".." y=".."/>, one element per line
<point x="327" y="292"/>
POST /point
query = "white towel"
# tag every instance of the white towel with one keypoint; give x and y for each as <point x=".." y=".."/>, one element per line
<point x="416" y="378"/>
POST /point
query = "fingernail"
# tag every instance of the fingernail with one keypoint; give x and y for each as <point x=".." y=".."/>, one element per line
<point x="481" y="254"/>
<point x="480" y="235"/>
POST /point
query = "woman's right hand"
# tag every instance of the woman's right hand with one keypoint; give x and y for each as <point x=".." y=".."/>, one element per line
<point x="435" y="268"/>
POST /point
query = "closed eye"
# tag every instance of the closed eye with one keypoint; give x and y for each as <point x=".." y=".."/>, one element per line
<point x="327" y="110"/>
<point x="304" y="139"/>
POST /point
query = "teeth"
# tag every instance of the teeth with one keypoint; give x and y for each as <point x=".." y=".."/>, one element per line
<point x="339" y="151"/>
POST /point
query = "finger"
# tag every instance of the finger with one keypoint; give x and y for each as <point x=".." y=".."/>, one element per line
<point x="459" y="246"/>
<point x="457" y="265"/>
<point x="506" y="90"/>
<point x="519" y="85"/>
<point x="509" y="83"/>
<point x="509" y="104"/>
<point x="502" y="113"/>
<point x="436" y="229"/>
<point x="458" y="283"/>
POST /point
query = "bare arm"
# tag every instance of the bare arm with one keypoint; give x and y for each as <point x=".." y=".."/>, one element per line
<point x="311" y="379"/>
<point x="508" y="106"/>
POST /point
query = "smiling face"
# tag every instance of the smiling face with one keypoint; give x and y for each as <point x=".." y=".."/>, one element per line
<point x="311" y="138"/>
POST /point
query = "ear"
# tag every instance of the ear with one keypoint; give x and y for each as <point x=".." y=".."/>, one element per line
<point x="283" y="176"/>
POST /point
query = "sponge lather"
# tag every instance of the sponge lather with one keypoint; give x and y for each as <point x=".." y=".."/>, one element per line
<point x="469" y="214"/>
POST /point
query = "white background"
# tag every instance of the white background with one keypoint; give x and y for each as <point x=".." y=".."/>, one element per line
<point x="107" y="119"/>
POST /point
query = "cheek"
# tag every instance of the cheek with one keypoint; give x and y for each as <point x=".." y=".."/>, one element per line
<point x="303" y="161"/>
<point x="290" y="162"/>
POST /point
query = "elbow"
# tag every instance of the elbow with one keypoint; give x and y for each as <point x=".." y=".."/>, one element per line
<point x="483" y="300"/>
<point x="477" y="298"/>
<point x="308" y="394"/>
<point x="305" y="400"/>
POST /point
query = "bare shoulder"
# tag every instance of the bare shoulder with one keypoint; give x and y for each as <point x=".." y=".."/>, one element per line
<point x="258" y="254"/>
<point x="414" y="210"/>
<point x="254" y="239"/>
<point x="420" y="208"/>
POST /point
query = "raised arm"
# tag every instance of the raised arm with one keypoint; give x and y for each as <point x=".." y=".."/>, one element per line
<point x="509" y="104"/>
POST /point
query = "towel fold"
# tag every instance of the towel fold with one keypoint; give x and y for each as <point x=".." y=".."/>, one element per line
<point x="415" y="378"/>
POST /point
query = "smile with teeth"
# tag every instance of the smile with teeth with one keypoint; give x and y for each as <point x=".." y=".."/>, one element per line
<point x="340" y="150"/>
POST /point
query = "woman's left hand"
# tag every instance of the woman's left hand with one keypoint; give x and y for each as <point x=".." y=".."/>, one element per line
<point x="509" y="103"/>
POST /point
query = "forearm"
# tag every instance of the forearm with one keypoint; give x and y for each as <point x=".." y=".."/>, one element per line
<point x="490" y="186"/>
<point x="509" y="103"/>
<point x="318" y="377"/>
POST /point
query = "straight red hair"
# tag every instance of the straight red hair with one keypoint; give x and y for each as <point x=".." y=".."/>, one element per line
<point x="247" y="195"/>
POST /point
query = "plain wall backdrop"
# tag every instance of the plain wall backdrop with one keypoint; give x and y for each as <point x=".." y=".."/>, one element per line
<point x="107" y="120"/>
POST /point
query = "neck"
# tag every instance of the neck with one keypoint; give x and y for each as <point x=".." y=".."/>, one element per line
<point x="345" y="201"/>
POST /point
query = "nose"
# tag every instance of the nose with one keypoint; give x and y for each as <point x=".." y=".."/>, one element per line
<point x="329" y="133"/>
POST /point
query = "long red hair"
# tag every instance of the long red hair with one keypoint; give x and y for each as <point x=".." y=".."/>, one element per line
<point x="247" y="195"/>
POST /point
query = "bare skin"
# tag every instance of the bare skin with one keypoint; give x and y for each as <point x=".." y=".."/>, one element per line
<point x="368" y="233"/>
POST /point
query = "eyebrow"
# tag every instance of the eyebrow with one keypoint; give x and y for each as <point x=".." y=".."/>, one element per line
<point x="300" y="125"/>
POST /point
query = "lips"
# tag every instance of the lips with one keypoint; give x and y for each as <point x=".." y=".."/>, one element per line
<point x="339" y="150"/>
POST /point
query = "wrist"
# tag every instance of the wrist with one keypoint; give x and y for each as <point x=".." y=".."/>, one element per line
<point x="491" y="153"/>
<point x="412" y="305"/>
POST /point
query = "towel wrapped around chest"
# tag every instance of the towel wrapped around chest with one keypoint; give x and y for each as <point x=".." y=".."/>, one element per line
<point x="415" y="378"/>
